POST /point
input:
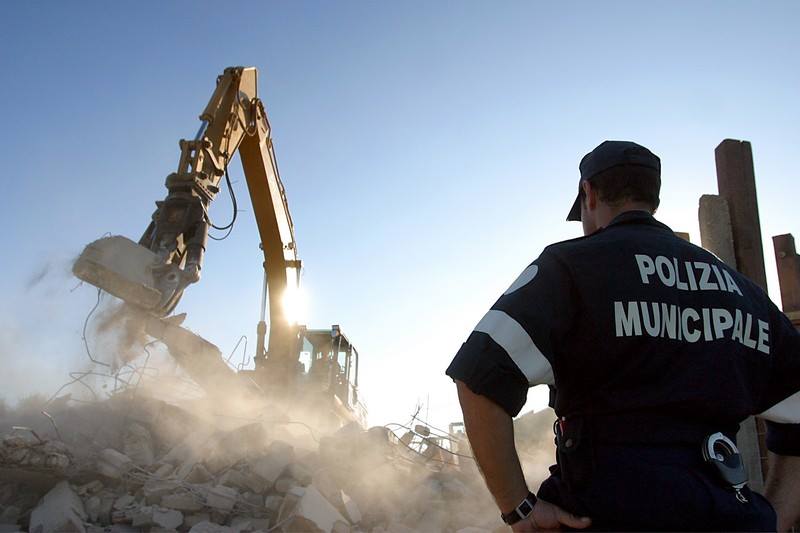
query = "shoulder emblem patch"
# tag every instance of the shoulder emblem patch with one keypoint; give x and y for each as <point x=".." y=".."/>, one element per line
<point x="526" y="277"/>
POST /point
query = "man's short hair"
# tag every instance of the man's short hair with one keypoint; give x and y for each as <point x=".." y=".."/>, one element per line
<point x="628" y="183"/>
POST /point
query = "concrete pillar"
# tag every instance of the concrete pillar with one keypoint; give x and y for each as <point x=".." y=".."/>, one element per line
<point x="716" y="233"/>
<point x="737" y="185"/>
<point x="788" y="275"/>
<point x="736" y="182"/>
<point x="716" y="236"/>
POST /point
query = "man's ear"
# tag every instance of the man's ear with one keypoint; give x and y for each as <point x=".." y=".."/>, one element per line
<point x="589" y="195"/>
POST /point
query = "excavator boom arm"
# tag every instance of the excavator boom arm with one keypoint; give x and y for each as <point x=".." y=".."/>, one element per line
<point x="177" y="235"/>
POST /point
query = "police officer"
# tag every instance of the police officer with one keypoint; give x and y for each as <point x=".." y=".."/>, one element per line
<point x="654" y="351"/>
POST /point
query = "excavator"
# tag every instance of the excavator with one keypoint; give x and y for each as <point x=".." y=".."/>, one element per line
<point x="150" y="276"/>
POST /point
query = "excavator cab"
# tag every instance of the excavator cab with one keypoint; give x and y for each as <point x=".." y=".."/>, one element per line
<point x="330" y="364"/>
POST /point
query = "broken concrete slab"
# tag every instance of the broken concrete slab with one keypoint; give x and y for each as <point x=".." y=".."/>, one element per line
<point x="93" y="507"/>
<point x="194" y="473"/>
<point x="113" y="464"/>
<point x="284" y="485"/>
<point x="252" y="482"/>
<point x="154" y="489"/>
<point x="341" y="527"/>
<point x="126" y="501"/>
<point x="248" y="440"/>
<point x="313" y="506"/>
<point x="192" y="520"/>
<point x="273" y="502"/>
<point x="163" y="471"/>
<point x="300" y="473"/>
<point x="351" y="510"/>
<point x="181" y="502"/>
<point x="59" y="510"/>
<point x="270" y="467"/>
<point x="235" y="479"/>
<point x="90" y="488"/>
<point x="138" y="445"/>
<point x="121" y="267"/>
<point x="255" y="500"/>
<point x="221" y="497"/>
<point x="210" y="527"/>
<point x="18" y="451"/>
<point x="155" y="516"/>
<point x="245" y="524"/>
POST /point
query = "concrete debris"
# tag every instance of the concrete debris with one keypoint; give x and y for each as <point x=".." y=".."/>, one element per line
<point x="235" y="479"/>
<point x="129" y="473"/>
<point x="221" y="498"/>
<point x="10" y="515"/>
<point x="299" y="473"/>
<point x="164" y="471"/>
<point x="150" y="516"/>
<point x="351" y="509"/>
<point x="313" y="506"/>
<point x="189" y="521"/>
<point x="241" y="524"/>
<point x="209" y="527"/>
<point x="397" y="527"/>
<point x="124" y="502"/>
<point x="273" y="502"/>
<point x="154" y="489"/>
<point x="91" y="487"/>
<point x="113" y="464"/>
<point x="192" y="472"/>
<point x="138" y="445"/>
<point x="31" y="453"/>
<point x="181" y="502"/>
<point x="269" y="467"/>
<point x="284" y="485"/>
<point x="341" y="527"/>
<point x="60" y="510"/>
<point x="100" y="506"/>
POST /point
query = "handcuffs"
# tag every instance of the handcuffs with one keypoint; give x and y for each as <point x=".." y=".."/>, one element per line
<point x="720" y="452"/>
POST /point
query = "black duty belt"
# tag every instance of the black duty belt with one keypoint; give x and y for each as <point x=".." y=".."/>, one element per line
<point x="637" y="428"/>
<point x="577" y="437"/>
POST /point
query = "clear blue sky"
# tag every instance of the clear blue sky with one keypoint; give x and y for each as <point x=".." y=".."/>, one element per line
<point x="429" y="152"/>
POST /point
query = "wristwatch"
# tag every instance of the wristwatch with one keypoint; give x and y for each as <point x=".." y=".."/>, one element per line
<point x="522" y="511"/>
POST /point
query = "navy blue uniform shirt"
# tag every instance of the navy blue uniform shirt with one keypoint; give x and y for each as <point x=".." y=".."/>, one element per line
<point x="633" y="319"/>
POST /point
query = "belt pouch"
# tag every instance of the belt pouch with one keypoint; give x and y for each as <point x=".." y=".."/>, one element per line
<point x="574" y="452"/>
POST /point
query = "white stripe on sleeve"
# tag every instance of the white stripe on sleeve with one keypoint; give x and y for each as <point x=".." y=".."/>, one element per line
<point x="785" y="412"/>
<point x="507" y="332"/>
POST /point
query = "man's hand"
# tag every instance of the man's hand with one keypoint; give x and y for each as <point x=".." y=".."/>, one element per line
<point x="491" y="434"/>
<point x="549" y="517"/>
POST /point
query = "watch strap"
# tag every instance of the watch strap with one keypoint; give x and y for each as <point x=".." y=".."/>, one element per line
<point x="521" y="511"/>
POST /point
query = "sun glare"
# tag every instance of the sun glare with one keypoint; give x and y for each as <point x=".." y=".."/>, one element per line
<point x="295" y="304"/>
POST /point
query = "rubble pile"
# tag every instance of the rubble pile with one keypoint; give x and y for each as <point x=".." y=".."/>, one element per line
<point x="140" y="464"/>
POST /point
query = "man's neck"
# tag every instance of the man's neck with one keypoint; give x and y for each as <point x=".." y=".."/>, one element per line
<point x="607" y="213"/>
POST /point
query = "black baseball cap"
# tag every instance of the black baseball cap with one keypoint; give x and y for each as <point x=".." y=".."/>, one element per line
<point x="611" y="154"/>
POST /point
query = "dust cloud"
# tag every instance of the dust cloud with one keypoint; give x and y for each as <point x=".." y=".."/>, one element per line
<point x="138" y="439"/>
